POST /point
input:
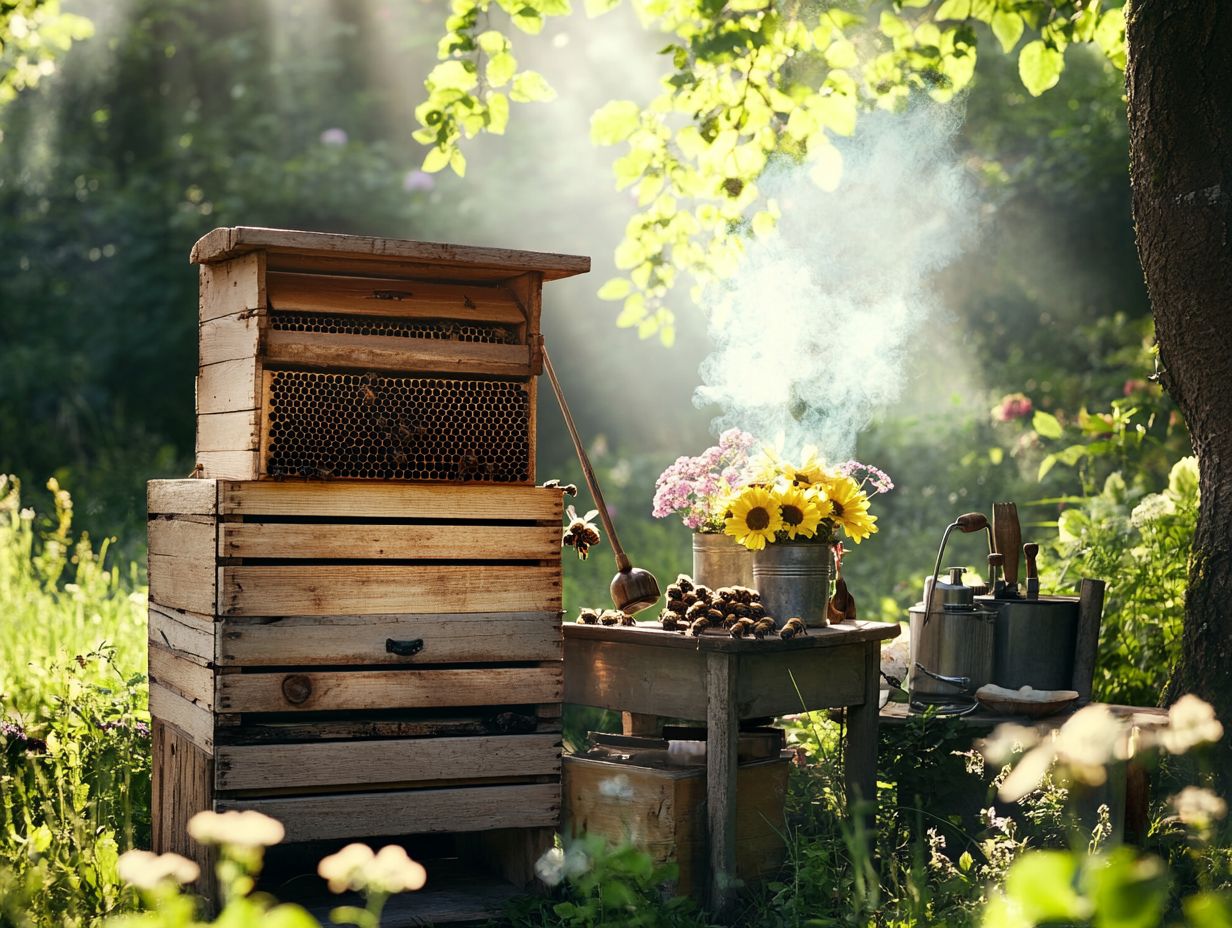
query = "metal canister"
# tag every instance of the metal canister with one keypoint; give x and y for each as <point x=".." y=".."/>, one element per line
<point x="952" y="642"/>
<point x="1035" y="640"/>
<point x="720" y="560"/>
<point x="794" y="578"/>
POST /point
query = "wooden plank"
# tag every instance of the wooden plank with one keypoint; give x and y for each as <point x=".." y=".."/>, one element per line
<point x="324" y="541"/>
<point x="389" y="500"/>
<point x="225" y="243"/>
<point x="183" y="583"/>
<point x="181" y="785"/>
<point x="187" y="678"/>
<point x="186" y="634"/>
<point x="492" y="720"/>
<point x="176" y="497"/>
<point x="385" y="268"/>
<point x="228" y="386"/>
<point x="182" y="538"/>
<point x="390" y="297"/>
<point x="345" y="763"/>
<point x="194" y="721"/>
<point x="779" y="683"/>
<point x="350" y="639"/>
<point x="860" y="758"/>
<point x="408" y="812"/>
<point x="628" y="678"/>
<point x="310" y="691"/>
<point x="374" y="589"/>
<point x="650" y="634"/>
<point x="228" y="465"/>
<point x="463" y="897"/>
<point x="509" y="852"/>
<point x="1090" y="616"/>
<point x="229" y="287"/>
<point x="228" y="431"/>
<point x="382" y="353"/>
<point x="229" y="338"/>
<point x="722" y="737"/>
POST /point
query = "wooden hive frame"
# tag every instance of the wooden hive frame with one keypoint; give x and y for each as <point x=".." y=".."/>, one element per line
<point x="273" y="300"/>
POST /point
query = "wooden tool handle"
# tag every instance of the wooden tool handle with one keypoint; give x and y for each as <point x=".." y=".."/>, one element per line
<point x="1007" y="535"/>
<point x="1086" y="644"/>
<point x="1031" y="551"/>
<point x="588" y="473"/>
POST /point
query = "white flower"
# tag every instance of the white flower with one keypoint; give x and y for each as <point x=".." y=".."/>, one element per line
<point x="341" y="870"/>
<point x="1152" y="509"/>
<point x="1191" y="722"/>
<point x="1198" y="807"/>
<point x="577" y="861"/>
<point x="239" y="829"/>
<point x="394" y="872"/>
<point x="550" y="868"/>
<point x="27" y="514"/>
<point x="147" y="870"/>
<point x="1090" y="739"/>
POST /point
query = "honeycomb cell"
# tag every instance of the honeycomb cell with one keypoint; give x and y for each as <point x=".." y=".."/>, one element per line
<point x="490" y="333"/>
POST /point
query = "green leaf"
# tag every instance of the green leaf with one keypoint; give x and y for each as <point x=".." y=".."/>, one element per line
<point x="501" y="68"/>
<point x="599" y="7"/>
<point x="1209" y="910"/>
<point x="436" y="160"/>
<point x="1042" y="883"/>
<point x="457" y="162"/>
<point x="498" y="113"/>
<point x="528" y="20"/>
<point x="1128" y="890"/>
<point x="842" y="54"/>
<point x="1046" y="465"/>
<point x="531" y="87"/>
<point x="966" y="861"/>
<point x="614" y="122"/>
<point x="1007" y="26"/>
<point x="996" y="455"/>
<point x="954" y="9"/>
<point x="1046" y="424"/>
<point x="452" y="75"/>
<point x="1110" y="36"/>
<point x="288" y="915"/>
<point x="633" y="313"/>
<point x="615" y="289"/>
<point x="836" y="112"/>
<point x="893" y="27"/>
<point x="1040" y="67"/>
<point x="492" y="42"/>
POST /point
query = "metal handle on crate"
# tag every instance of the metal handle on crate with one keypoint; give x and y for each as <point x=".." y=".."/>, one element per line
<point x="405" y="648"/>
<point x="963" y="684"/>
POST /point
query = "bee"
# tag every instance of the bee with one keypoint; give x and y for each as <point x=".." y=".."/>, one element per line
<point x="580" y="533"/>
<point x="400" y="458"/>
<point x="729" y="620"/>
<point x="757" y="611"/>
<point x="794" y="627"/>
<point x="628" y="620"/>
<point x="696" y="611"/>
<point x="382" y="423"/>
<point x="587" y="617"/>
<point x="372" y="378"/>
<point x="763" y="627"/>
<point x="673" y="594"/>
<point x="752" y="596"/>
<point x="715" y="616"/>
<point x="468" y="466"/>
<point x="684" y="583"/>
<point x="678" y="607"/>
<point x="468" y="302"/>
<point x="742" y="611"/>
<point x="669" y="620"/>
<point x="568" y="488"/>
<point x="741" y="628"/>
<point x="703" y="593"/>
<point x="690" y="598"/>
<point x="699" y="626"/>
<point x="325" y="473"/>
<point x="610" y="617"/>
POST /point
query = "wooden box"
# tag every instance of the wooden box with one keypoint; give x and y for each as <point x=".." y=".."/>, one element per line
<point x="633" y="795"/>
<point x="344" y="356"/>
<point x="358" y="659"/>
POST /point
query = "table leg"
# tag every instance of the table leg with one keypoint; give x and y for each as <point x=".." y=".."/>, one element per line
<point x="861" y="748"/>
<point x="722" y="742"/>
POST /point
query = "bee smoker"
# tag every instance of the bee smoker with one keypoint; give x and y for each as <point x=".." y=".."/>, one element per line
<point x="952" y="636"/>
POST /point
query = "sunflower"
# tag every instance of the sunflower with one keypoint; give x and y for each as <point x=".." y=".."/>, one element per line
<point x="851" y="509"/>
<point x="800" y="510"/>
<point x="754" y="518"/>
<point x="811" y="471"/>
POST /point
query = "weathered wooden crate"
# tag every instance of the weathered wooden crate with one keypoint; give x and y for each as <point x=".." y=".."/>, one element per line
<point x="626" y="791"/>
<point x="345" y="356"/>
<point x="358" y="659"/>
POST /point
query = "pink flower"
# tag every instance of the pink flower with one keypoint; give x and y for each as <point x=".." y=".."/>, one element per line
<point x="1013" y="406"/>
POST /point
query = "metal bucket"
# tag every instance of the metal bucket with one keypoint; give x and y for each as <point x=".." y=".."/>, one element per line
<point x="1035" y="642"/>
<point x="955" y="644"/>
<point x="793" y="578"/>
<point x="720" y="560"/>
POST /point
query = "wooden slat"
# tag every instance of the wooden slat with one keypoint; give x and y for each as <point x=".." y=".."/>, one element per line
<point x="464" y="541"/>
<point x="651" y="635"/>
<point x="193" y="720"/>
<point x="345" y="763"/>
<point x="651" y="681"/>
<point x="377" y="296"/>
<point x="368" y="589"/>
<point x="385" y="268"/>
<point x="228" y="465"/>
<point x="773" y="684"/>
<point x="490" y="720"/>
<point x="181" y="785"/>
<point x="389" y="500"/>
<point x="229" y="386"/>
<point x="349" y="639"/>
<point x="358" y="815"/>
<point x="183" y="583"/>
<point x="186" y="634"/>
<point x="375" y="352"/>
<point x="230" y="287"/>
<point x="229" y="338"/>
<point x="295" y="691"/>
<point x="226" y="242"/>
<point x="228" y="431"/>
<point x="190" y="680"/>
<point x="175" y="497"/>
<point x="182" y="538"/>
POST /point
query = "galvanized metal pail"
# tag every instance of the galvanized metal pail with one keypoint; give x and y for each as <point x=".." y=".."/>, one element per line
<point x="793" y="578"/>
<point x="719" y="560"/>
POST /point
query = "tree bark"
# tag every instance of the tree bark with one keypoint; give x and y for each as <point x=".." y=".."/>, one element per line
<point x="1179" y="83"/>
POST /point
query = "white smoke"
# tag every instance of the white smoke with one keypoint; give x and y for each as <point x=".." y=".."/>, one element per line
<point x="811" y="336"/>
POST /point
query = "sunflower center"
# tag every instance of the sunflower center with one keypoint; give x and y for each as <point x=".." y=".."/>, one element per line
<point x="757" y="518"/>
<point x="792" y="515"/>
<point x="838" y="508"/>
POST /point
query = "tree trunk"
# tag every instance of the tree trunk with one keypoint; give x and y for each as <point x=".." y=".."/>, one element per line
<point x="1179" y="82"/>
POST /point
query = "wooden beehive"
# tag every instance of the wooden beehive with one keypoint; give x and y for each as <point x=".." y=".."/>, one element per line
<point x="351" y="357"/>
<point x="358" y="659"/>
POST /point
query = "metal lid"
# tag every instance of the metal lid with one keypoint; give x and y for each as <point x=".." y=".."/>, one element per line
<point x="954" y="595"/>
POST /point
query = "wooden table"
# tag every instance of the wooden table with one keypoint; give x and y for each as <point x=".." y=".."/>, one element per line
<point x="722" y="680"/>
